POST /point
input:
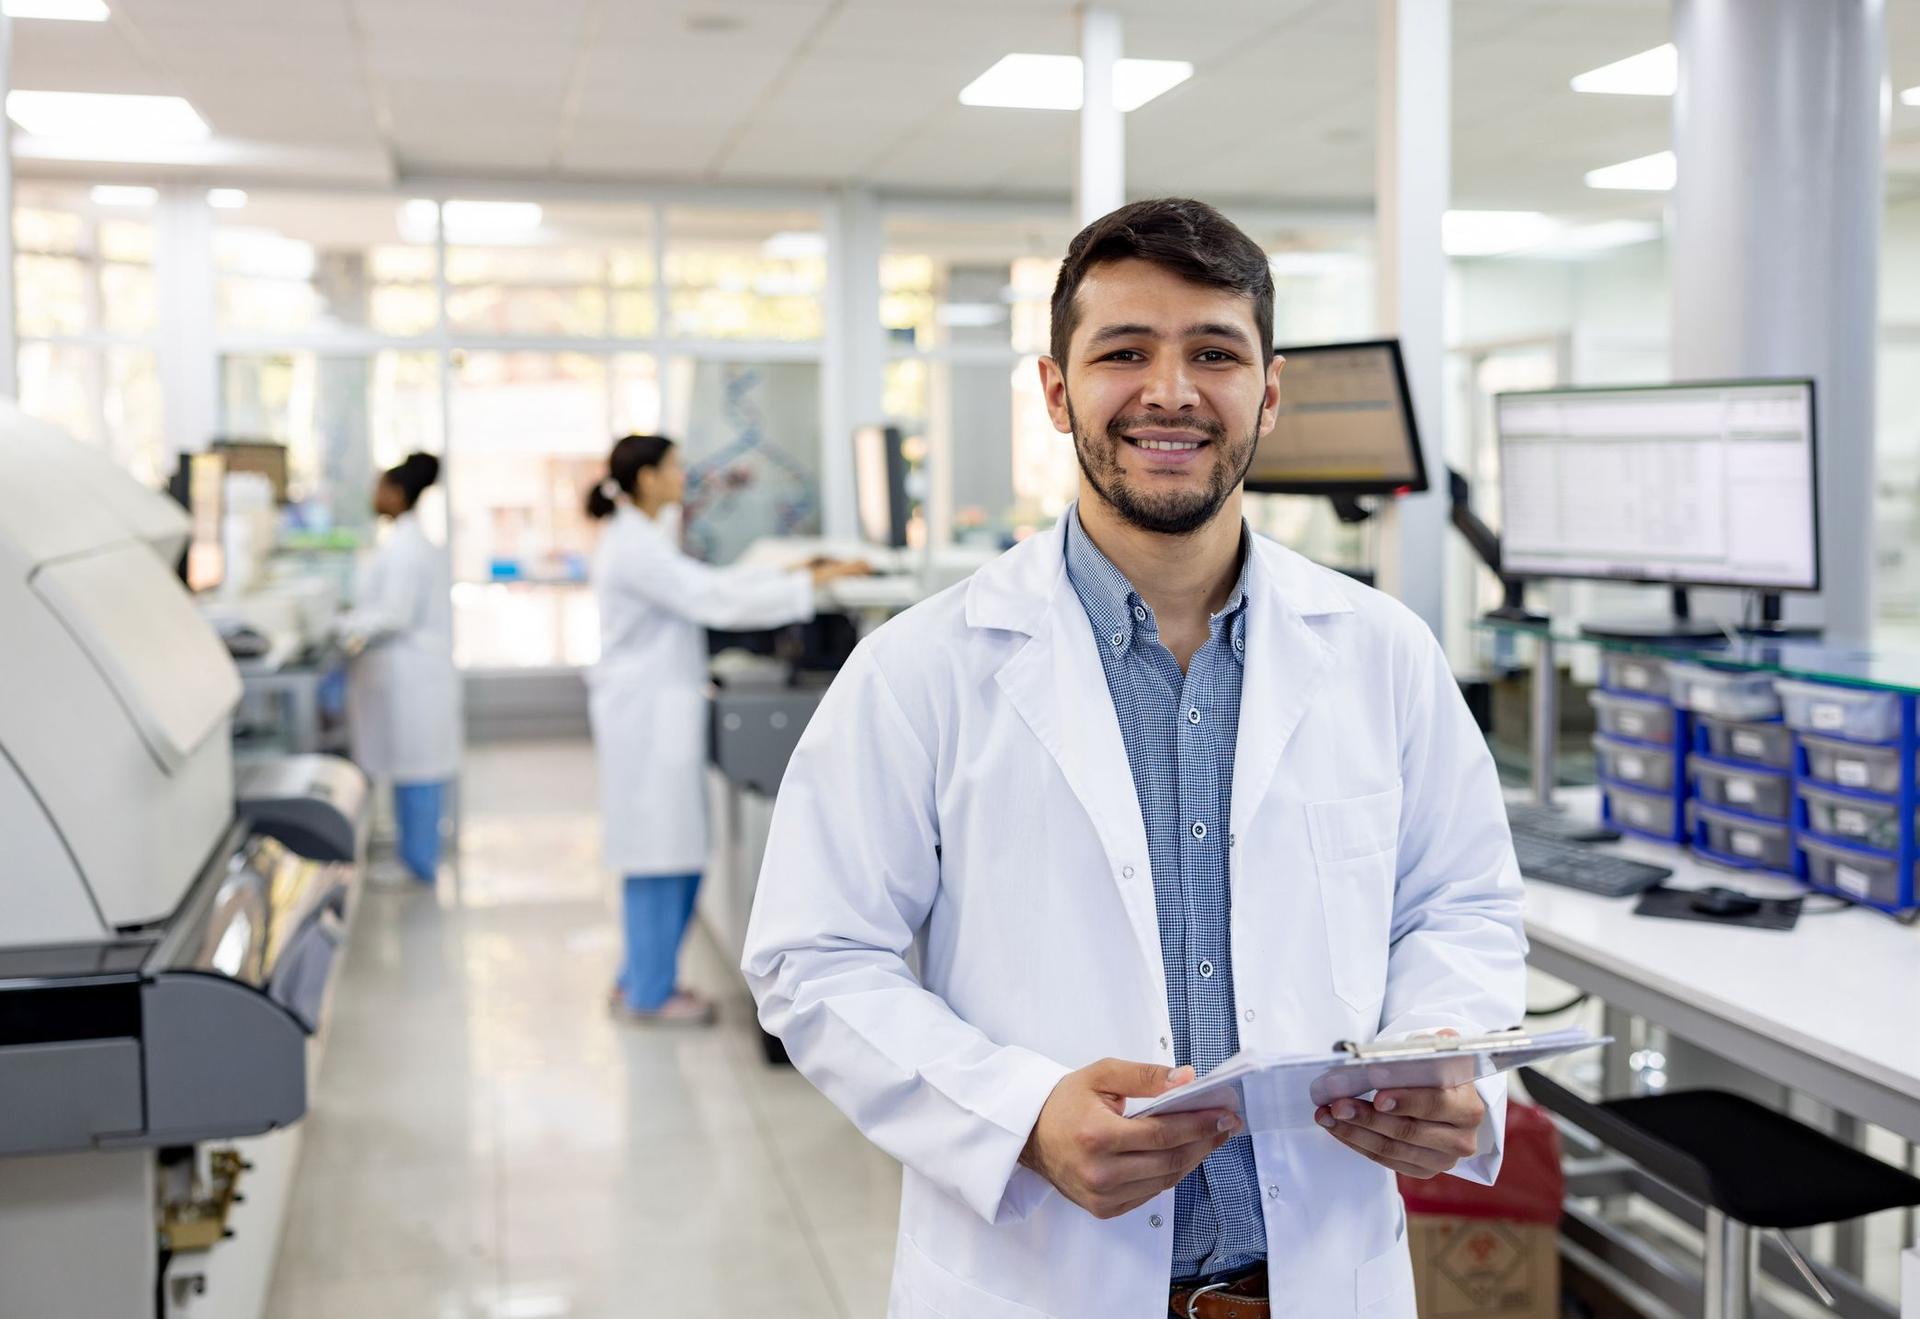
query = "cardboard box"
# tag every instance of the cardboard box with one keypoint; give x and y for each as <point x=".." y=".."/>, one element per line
<point x="1492" y="1252"/>
<point x="1468" y="1268"/>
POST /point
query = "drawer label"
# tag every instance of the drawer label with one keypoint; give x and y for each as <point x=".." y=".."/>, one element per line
<point x="1749" y="744"/>
<point x="1631" y="766"/>
<point x="1741" y="790"/>
<point x="1849" y="820"/>
<point x="1633" y="724"/>
<point x="1825" y="714"/>
<point x="1850" y="773"/>
<point x="1632" y="676"/>
<point x="1849" y="880"/>
<point x="1746" y="844"/>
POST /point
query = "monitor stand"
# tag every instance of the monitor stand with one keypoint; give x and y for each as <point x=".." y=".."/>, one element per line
<point x="1680" y="626"/>
<point x="1513" y="605"/>
<point x="1772" y="628"/>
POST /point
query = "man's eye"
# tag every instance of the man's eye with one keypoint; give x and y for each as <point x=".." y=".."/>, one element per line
<point x="1122" y="354"/>
<point x="1217" y="355"/>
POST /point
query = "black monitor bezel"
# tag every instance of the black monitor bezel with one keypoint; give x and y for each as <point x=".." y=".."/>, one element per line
<point x="1408" y="421"/>
<point x="1683" y="583"/>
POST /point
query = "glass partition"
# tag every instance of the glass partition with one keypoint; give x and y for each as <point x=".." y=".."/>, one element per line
<point x="308" y="263"/>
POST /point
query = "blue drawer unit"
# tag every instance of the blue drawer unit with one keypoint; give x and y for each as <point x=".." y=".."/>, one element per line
<point x="1854" y="792"/>
<point x="1640" y="749"/>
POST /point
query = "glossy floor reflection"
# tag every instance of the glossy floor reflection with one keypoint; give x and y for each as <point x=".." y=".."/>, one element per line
<point x="487" y="1143"/>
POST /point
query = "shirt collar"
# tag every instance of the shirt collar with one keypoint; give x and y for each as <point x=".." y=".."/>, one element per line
<point x="1116" y="610"/>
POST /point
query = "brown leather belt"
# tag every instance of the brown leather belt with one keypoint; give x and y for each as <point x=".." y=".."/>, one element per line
<point x="1242" y="1296"/>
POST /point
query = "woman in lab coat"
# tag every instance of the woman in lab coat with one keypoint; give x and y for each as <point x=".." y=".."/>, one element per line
<point x="649" y="706"/>
<point x="403" y="695"/>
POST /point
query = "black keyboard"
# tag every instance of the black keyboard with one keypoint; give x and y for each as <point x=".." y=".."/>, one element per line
<point x="1574" y="865"/>
<point x="1538" y="821"/>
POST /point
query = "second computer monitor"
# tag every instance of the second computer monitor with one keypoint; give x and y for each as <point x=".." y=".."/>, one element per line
<point x="1709" y="484"/>
<point x="1345" y="425"/>
<point x="880" y="485"/>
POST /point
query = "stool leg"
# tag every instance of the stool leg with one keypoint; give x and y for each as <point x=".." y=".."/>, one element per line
<point x="1729" y="1267"/>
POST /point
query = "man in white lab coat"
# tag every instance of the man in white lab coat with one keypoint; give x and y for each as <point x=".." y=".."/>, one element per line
<point x="1144" y="791"/>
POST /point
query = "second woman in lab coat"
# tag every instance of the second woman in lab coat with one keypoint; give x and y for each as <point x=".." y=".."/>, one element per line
<point x="649" y="706"/>
<point x="403" y="693"/>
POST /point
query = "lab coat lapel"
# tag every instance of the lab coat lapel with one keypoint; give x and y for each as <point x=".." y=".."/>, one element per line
<point x="1286" y="663"/>
<point x="1057" y="685"/>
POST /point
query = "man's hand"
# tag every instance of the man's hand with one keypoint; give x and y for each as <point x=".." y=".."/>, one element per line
<point x="1421" y="1133"/>
<point x="1109" y="1164"/>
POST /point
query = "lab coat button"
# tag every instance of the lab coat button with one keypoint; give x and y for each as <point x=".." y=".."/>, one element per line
<point x="1273" y="1192"/>
<point x="1163" y="1042"/>
<point x="1126" y="872"/>
<point x="1154" y="1221"/>
<point x="1247" y="1015"/>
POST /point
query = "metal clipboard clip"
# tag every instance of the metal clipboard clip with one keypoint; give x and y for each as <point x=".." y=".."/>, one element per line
<point x="1512" y="1037"/>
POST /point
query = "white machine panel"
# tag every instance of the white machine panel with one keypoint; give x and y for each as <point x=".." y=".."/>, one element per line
<point x="172" y="675"/>
<point x="40" y="891"/>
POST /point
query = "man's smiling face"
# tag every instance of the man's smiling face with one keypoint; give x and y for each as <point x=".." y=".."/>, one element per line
<point x="1165" y="392"/>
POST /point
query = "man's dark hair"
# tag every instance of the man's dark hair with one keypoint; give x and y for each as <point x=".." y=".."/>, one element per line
<point x="1187" y="237"/>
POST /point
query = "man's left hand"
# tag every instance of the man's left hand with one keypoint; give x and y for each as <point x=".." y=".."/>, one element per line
<point x="1421" y="1133"/>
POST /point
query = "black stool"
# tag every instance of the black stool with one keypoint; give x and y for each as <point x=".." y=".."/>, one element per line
<point x="1748" y="1165"/>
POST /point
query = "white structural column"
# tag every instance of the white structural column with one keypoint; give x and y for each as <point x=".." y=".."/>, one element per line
<point x="853" y="383"/>
<point x="1100" y="184"/>
<point x="9" y="344"/>
<point x="189" y="352"/>
<point x="1412" y="172"/>
<point x="1778" y="127"/>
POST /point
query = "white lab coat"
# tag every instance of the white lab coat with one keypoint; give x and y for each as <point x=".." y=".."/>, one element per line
<point x="403" y="692"/>
<point x="648" y="697"/>
<point x="963" y="792"/>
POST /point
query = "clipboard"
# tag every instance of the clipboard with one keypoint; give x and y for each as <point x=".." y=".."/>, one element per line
<point x="1275" y="1092"/>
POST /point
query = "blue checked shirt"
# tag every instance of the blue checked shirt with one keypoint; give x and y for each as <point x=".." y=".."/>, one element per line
<point x="1180" y="731"/>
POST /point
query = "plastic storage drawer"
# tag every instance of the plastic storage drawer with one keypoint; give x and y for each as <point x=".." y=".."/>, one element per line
<point x="1627" y="762"/>
<point x="1645" y="675"/>
<point x="1648" y="812"/>
<point x="1848" y="765"/>
<point x="1849" y="712"/>
<point x="1749" y="791"/>
<point x="1856" y="874"/>
<point x="1715" y="691"/>
<point x="1756" y="744"/>
<point x="1752" y="841"/>
<point x="1873" y="823"/>
<point x="1633" y="717"/>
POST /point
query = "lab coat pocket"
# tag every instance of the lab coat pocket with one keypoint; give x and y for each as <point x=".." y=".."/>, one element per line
<point x="1383" y="1286"/>
<point x="933" y="1293"/>
<point x="1354" y="853"/>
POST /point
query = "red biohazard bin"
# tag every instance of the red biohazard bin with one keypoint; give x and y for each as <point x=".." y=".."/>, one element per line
<point x="1492" y="1250"/>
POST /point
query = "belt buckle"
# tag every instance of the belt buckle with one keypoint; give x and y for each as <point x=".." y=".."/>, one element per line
<point x="1210" y="1288"/>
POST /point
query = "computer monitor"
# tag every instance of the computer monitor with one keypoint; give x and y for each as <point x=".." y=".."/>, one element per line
<point x="880" y="484"/>
<point x="1710" y="484"/>
<point x="267" y="457"/>
<point x="1345" y="427"/>
<point x="199" y="485"/>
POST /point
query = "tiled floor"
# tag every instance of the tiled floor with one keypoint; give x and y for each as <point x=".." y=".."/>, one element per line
<point x="486" y="1142"/>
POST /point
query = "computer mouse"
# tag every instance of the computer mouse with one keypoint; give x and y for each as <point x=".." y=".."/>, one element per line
<point x="1717" y="901"/>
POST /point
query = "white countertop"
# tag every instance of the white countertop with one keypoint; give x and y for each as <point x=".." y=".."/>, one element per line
<point x="1842" y="988"/>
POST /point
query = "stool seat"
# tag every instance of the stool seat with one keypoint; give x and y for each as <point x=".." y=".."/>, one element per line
<point x="1757" y="1166"/>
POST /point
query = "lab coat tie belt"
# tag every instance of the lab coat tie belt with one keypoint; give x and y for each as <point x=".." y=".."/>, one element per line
<point x="1243" y="1296"/>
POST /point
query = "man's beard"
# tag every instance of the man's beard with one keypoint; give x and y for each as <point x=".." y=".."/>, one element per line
<point x="1176" y="512"/>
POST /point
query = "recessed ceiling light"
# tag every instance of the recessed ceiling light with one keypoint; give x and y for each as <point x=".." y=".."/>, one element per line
<point x="1653" y="72"/>
<point x="1053" y="82"/>
<point x="226" y="199"/>
<point x="712" y="24"/>
<point x="74" y="11"/>
<point x="105" y="116"/>
<point x="1911" y="96"/>
<point x="115" y="194"/>
<point x="1601" y="236"/>
<point x="1655" y="173"/>
<point x="469" y="221"/>
<point x="1490" y="233"/>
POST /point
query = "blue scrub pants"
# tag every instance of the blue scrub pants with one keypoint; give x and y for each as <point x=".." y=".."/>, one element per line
<point x="658" y="911"/>
<point x="417" y="811"/>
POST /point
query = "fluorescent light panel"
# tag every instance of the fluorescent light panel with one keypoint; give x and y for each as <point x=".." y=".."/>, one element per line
<point x="470" y="220"/>
<point x="74" y="11"/>
<point x="226" y="199"/>
<point x="105" y="116"/>
<point x="1653" y="72"/>
<point x="115" y="194"/>
<point x="1053" y="82"/>
<point x="1655" y="173"/>
<point x="1911" y="96"/>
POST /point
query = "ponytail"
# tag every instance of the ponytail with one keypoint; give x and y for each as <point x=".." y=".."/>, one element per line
<point x="631" y="456"/>
<point x="412" y="477"/>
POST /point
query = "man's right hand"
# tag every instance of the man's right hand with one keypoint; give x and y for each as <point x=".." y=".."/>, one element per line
<point x="1108" y="1164"/>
